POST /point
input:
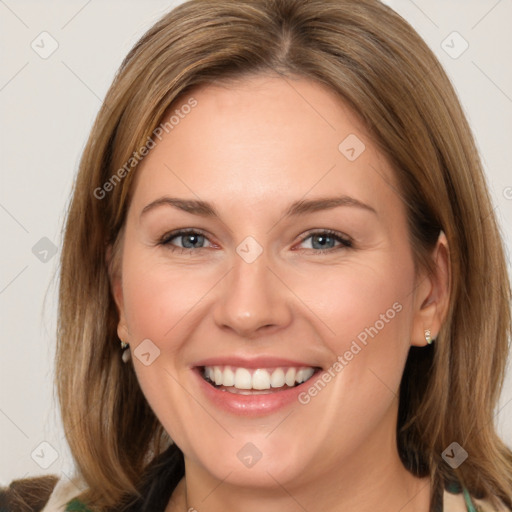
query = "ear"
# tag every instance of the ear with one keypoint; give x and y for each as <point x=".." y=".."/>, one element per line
<point x="116" y="286"/>
<point x="432" y="295"/>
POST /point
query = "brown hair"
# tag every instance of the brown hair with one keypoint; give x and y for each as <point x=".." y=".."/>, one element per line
<point x="379" y="65"/>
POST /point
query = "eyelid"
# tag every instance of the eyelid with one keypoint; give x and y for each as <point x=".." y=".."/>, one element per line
<point x="165" y="240"/>
<point x="345" y="241"/>
<point x="177" y="232"/>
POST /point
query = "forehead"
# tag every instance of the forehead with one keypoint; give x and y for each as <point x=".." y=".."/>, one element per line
<point x="262" y="142"/>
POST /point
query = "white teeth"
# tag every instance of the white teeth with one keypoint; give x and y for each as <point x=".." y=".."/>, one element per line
<point x="243" y="379"/>
<point x="304" y="374"/>
<point x="217" y="375"/>
<point x="229" y="377"/>
<point x="277" y="379"/>
<point x="258" y="379"/>
<point x="290" y="377"/>
<point x="308" y="373"/>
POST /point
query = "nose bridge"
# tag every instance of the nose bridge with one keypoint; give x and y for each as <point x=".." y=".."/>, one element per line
<point x="251" y="296"/>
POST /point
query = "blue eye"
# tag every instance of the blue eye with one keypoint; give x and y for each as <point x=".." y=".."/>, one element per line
<point x="324" y="241"/>
<point x="321" y="241"/>
<point x="190" y="240"/>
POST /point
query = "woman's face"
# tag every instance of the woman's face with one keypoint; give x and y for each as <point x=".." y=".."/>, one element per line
<point x="296" y="265"/>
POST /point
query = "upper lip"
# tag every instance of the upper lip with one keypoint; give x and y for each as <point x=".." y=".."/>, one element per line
<point x="254" y="362"/>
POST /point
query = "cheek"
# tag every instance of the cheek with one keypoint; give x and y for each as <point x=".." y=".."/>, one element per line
<point x="159" y="301"/>
<point x="158" y="295"/>
<point x="360" y="301"/>
<point x="367" y="310"/>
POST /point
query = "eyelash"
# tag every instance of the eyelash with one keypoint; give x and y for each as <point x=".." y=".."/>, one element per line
<point x="345" y="242"/>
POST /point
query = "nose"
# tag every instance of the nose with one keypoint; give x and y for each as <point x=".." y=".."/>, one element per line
<point x="253" y="300"/>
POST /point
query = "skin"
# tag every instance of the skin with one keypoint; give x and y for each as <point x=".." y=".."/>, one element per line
<point x="251" y="148"/>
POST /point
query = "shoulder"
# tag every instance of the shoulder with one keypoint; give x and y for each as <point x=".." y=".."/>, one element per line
<point x="487" y="506"/>
<point x="27" y="494"/>
<point x="39" y="494"/>
<point x="461" y="501"/>
<point x="65" y="491"/>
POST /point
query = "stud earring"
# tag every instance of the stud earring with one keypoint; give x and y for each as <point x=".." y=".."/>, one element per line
<point x="125" y="356"/>
<point x="428" y="336"/>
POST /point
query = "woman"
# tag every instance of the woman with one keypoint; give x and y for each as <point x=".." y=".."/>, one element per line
<point x="281" y="218"/>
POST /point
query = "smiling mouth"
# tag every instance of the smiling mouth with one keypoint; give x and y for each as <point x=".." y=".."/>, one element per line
<point x="254" y="381"/>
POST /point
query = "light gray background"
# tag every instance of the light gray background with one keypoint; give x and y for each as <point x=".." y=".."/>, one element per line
<point x="47" y="106"/>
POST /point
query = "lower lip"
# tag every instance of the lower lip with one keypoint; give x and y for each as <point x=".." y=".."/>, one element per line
<point x="251" y="405"/>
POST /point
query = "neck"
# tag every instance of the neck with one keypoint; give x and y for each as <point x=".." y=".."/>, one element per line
<point x="392" y="492"/>
<point x="371" y="478"/>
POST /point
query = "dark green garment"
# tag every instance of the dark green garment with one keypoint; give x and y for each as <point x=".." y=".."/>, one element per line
<point x="76" y="506"/>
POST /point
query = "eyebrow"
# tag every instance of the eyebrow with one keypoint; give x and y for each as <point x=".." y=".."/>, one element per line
<point x="301" y="207"/>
